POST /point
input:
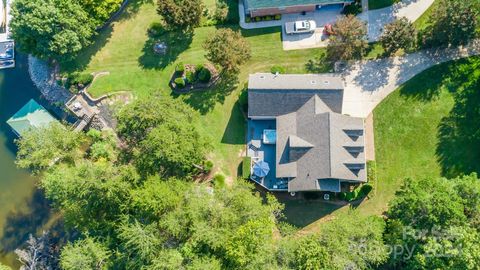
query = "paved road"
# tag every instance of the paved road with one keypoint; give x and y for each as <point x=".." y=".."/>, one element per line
<point x="367" y="83"/>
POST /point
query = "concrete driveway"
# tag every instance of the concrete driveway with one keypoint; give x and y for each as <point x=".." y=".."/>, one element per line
<point x="323" y="16"/>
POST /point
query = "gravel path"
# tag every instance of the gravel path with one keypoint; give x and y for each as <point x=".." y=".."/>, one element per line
<point x="41" y="75"/>
<point x="367" y="83"/>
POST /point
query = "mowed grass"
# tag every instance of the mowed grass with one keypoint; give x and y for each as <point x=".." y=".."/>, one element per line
<point x="125" y="51"/>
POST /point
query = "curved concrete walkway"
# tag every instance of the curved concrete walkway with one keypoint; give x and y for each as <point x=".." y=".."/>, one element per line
<point x="376" y="19"/>
<point x="367" y="83"/>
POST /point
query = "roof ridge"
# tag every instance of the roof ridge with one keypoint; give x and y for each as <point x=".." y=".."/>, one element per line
<point x="329" y="142"/>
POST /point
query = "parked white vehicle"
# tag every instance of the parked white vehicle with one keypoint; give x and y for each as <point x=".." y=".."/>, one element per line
<point x="300" y="27"/>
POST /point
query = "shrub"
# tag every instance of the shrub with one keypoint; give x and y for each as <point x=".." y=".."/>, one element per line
<point x="279" y="69"/>
<point x="248" y="19"/>
<point x="268" y="18"/>
<point x="179" y="82"/>
<point x="278" y="17"/>
<point x="204" y="75"/>
<point x="219" y="180"/>
<point x="79" y="80"/>
<point x="179" y="68"/>
<point x="207" y="166"/>
<point x="257" y="19"/>
<point x="221" y="11"/>
<point x="246" y="163"/>
<point x="190" y="76"/>
<point x="365" y="190"/>
<point x="354" y="8"/>
<point x="156" y="29"/>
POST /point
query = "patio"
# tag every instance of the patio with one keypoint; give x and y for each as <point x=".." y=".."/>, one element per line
<point x="258" y="151"/>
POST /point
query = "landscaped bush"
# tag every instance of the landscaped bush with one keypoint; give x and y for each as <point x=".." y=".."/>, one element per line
<point x="354" y="8"/>
<point x="79" y="80"/>
<point x="204" y="75"/>
<point x="356" y="194"/>
<point x="248" y="19"/>
<point x="268" y="18"/>
<point x="207" y="166"/>
<point x="219" y="180"/>
<point x="179" y="68"/>
<point x="257" y="19"/>
<point x="180" y="82"/>
<point x="279" y="69"/>
<point x="246" y="163"/>
<point x="278" y="17"/>
<point x="190" y="76"/>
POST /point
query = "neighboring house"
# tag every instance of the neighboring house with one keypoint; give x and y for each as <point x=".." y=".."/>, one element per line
<point x="296" y="127"/>
<point x="31" y="115"/>
<point x="255" y="8"/>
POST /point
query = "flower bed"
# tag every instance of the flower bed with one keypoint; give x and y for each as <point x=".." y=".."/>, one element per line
<point x="189" y="77"/>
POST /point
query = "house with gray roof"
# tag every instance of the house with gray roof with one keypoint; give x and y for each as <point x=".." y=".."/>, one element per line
<point x="256" y="8"/>
<point x="316" y="148"/>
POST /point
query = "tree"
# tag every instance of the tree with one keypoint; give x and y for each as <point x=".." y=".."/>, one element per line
<point x="349" y="41"/>
<point x="173" y="149"/>
<point x="433" y="221"/>
<point x="454" y="22"/>
<point x="51" y="29"/>
<point x="228" y="49"/>
<point x="399" y="34"/>
<point x="181" y="14"/>
<point x="100" y="10"/>
<point x="40" y="148"/>
<point x="85" y="254"/>
<point x="311" y="255"/>
<point x="138" y="118"/>
<point x="4" y="267"/>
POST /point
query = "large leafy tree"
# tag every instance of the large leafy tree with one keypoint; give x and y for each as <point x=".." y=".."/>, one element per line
<point x="100" y="10"/>
<point x="42" y="147"/>
<point x="454" y="22"/>
<point x="51" y="29"/>
<point x="432" y="224"/>
<point x="349" y="41"/>
<point x="182" y="14"/>
<point x="399" y="34"/>
<point x="228" y="49"/>
<point x="161" y="136"/>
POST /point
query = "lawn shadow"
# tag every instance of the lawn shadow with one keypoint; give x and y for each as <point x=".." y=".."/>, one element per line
<point x="427" y="85"/>
<point x="204" y="101"/>
<point x="19" y="225"/>
<point x="301" y="213"/>
<point x="176" y="42"/>
<point x="235" y="131"/>
<point x="458" y="148"/>
<point x="81" y="61"/>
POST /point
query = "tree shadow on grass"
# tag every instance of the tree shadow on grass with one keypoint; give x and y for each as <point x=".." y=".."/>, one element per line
<point x="458" y="149"/>
<point x="426" y="86"/>
<point x="19" y="225"/>
<point x="176" y="41"/>
<point x="302" y="213"/>
<point x="205" y="101"/>
<point x="319" y="64"/>
<point x="235" y="131"/>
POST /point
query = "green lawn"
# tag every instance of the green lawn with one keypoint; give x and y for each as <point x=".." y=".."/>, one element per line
<point x="376" y="4"/>
<point x="125" y="50"/>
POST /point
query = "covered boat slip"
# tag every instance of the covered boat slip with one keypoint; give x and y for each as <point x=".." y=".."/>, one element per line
<point x="31" y="115"/>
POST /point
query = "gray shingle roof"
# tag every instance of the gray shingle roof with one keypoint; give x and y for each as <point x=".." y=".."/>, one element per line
<point x="329" y="158"/>
<point x="271" y="95"/>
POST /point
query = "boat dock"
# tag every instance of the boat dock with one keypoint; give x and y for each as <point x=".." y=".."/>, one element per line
<point x="7" y="45"/>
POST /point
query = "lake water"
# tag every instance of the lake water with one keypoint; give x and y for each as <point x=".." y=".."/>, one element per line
<point x="22" y="207"/>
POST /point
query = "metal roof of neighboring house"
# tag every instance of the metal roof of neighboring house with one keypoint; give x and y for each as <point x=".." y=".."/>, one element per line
<point x="259" y="4"/>
<point x="31" y="115"/>
<point x="320" y="147"/>
<point x="271" y="95"/>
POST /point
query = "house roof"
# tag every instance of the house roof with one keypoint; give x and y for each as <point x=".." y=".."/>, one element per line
<point x="31" y="115"/>
<point x="323" y="147"/>
<point x="259" y="4"/>
<point x="271" y="95"/>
